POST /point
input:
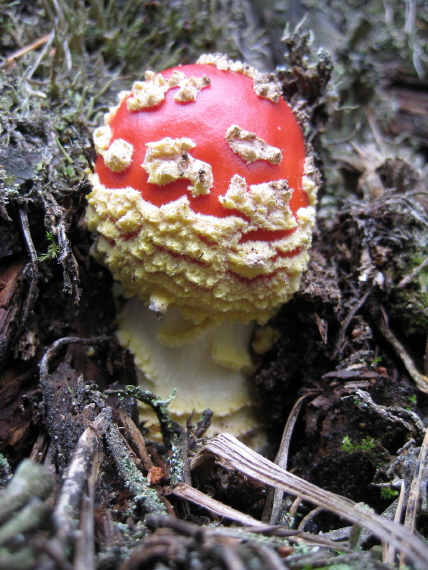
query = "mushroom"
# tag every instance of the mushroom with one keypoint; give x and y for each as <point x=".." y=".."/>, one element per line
<point x="203" y="201"/>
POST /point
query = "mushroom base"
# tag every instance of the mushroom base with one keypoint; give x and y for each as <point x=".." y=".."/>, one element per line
<point x="210" y="372"/>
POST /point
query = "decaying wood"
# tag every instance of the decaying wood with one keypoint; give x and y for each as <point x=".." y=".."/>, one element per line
<point x="17" y="394"/>
<point x="10" y="305"/>
<point x="68" y="507"/>
<point x="18" y="286"/>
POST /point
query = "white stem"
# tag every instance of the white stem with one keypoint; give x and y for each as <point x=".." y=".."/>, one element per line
<point x="209" y="372"/>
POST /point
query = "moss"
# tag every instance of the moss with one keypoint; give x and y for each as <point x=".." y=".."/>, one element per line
<point x="372" y="449"/>
<point x="388" y="493"/>
<point x="410" y="303"/>
<point x="52" y="250"/>
<point x="349" y="446"/>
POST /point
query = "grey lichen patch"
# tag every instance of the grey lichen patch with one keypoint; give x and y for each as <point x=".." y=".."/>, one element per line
<point x="250" y="147"/>
<point x="265" y="85"/>
<point x="133" y="479"/>
<point x="168" y="160"/>
<point x="265" y="205"/>
<point x="119" y="155"/>
<point x="151" y="92"/>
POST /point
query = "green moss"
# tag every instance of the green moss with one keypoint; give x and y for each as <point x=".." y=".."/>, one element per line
<point x="52" y="251"/>
<point x="348" y="446"/>
<point x="388" y="493"/>
<point x="410" y="303"/>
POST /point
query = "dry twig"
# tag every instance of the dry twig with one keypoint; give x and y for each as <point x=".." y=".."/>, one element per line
<point x="415" y="490"/>
<point x="409" y="278"/>
<point x="419" y="379"/>
<point x="66" y="516"/>
<point x="23" y="51"/>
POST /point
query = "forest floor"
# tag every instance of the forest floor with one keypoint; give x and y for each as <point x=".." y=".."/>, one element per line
<point x="344" y="388"/>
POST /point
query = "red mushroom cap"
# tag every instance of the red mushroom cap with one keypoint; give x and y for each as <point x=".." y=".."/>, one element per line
<point x="206" y="121"/>
<point x="231" y="135"/>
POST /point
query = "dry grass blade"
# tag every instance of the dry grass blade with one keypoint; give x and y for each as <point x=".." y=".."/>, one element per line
<point x="10" y="60"/>
<point x="388" y="552"/>
<point x="419" y="379"/>
<point x="274" y="499"/>
<point x="415" y="487"/>
<point x="415" y="490"/>
<point x="194" y="496"/>
<point x="238" y="456"/>
<point x="84" y="552"/>
<point x="409" y="278"/>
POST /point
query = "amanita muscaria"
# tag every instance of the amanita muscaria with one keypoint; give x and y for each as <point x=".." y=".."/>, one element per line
<point x="203" y="200"/>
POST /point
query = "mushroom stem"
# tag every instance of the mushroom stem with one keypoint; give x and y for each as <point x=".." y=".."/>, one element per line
<point x="210" y="371"/>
